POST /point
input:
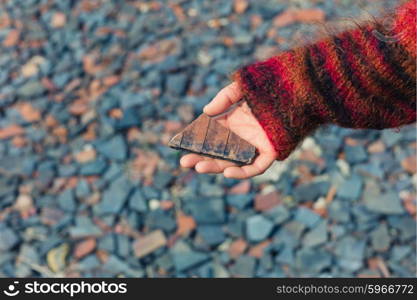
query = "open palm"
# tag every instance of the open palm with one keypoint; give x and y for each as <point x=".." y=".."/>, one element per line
<point x="242" y="122"/>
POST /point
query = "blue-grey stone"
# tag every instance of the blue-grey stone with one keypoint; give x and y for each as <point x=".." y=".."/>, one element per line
<point x="162" y="179"/>
<point x="123" y="245"/>
<point x="355" y="154"/>
<point x="84" y="227"/>
<point x="185" y="260"/>
<point x="295" y="229"/>
<point x="116" y="266"/>
<point x="316" y="236"/>
<point x="399" y="252"/>
<point x="390" y="138"/>
<point x="337" y="231"/>
<point x="208" y="211"/>
<point x="150" y="193"/>
<point x="82" y="189"/>
<point x="372" y="169"/>
<point x="113" y="148"/>
<point x="66" y="200"/>
<point x="406" y="225"/>
<point x="114" y="171"/>
<point x="312" y="260"/>
<point x="211" y="190"/>
<point x="107" y="243"/>
<point x="380" y="238"/>
<point x="350" y="189"/>
<point x="137" y="201"/>
<point x="351" y="253"/>
<point x="67" y="170"/>
<point x="244" y="266"/>
<point x="266" y="261"/>
<point x="88" y="263"/>
<point x="114" y="198"/>
<point x="239" y="201"/>
<point x="29" y="253"/>
<point x="286" y="256"/>
<point x="212" y="235"/>
<point x="159" y="219"/>
<point x="311" y="191"/>
<point x="12" y="164"/>
<point x="32" y="88"/>
<point x="258" y="228"/>
<point x="306" y="216"/>
<point x="387" y="203"/>
<point x="401" y="270"/>
<point x="8" y="239"/>
<point x="96" y="167"/>
<point x="130" y="118"/>
<point x="278" y="214"/>
<point x="176" y="84"/>
<point x="164" y="262"/>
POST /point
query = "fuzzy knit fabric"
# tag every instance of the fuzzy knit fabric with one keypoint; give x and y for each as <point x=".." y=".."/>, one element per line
<point x="361" y="78"/>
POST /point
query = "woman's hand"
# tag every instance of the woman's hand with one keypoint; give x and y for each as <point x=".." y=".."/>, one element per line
<point x="242" y="122"/>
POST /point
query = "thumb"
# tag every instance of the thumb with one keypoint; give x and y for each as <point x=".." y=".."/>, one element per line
<point x="224" y="99"/>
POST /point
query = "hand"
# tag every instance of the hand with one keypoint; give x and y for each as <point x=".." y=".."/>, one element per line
<point x="242" y="122"/>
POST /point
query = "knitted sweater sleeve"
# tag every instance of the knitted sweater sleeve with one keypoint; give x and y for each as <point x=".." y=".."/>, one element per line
<point x="362" y="78"/>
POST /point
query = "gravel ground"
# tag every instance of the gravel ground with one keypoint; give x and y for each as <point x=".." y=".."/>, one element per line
<point x="90" y="93"/>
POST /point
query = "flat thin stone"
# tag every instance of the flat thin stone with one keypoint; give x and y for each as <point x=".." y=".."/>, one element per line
<point x="208" y="137"/>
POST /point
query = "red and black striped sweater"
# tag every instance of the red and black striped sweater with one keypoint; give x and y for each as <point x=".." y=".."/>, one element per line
<point x="362" y="78"/>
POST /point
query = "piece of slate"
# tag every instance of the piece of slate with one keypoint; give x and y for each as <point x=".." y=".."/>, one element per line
<point x="208" y="137"/>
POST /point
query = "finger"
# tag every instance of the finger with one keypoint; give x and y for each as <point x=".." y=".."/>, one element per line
<point x="224" y="99"/>
<point x="259" y="166"/>
<point x="213" y="166"/>
<point x="190" y="160"/>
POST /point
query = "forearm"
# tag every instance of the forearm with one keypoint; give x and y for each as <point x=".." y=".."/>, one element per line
<point x="354" y="79"/>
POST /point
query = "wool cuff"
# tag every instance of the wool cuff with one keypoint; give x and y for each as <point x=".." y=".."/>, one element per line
<point x="361" y="78"/>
